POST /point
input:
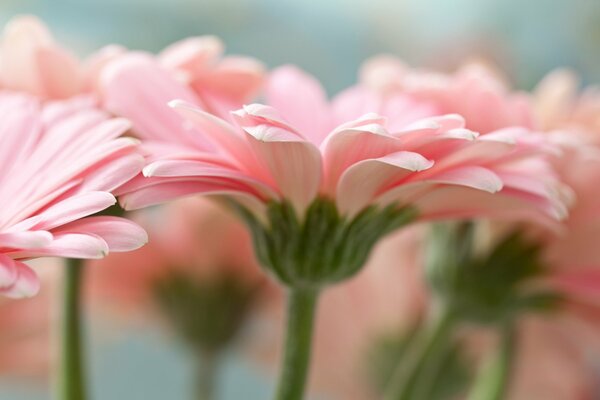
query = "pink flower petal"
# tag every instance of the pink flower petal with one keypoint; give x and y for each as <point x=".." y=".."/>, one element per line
<point x="26" y="284"/>
<point x="218" y="131"/>
<point x="8" y="271"/>
<point x="362" y="182"/>
<point x="75" y="207"/>
<point x="120" y="234"/>
<point x="126" y="92"/>
<point x="344" y="147"/>
<point x="25" y="240"/>
<point x="307" y="108"/>
<point x="70" y="245"/>
<point x="294" y="164"/>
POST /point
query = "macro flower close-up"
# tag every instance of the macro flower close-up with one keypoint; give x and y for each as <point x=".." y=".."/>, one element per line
<point x="299" y="201"/>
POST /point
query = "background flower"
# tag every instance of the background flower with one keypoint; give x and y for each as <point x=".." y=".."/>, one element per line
<point x="57" y="168"/>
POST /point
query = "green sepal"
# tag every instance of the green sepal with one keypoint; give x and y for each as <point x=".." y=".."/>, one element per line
<point x="207" y="314"/>
<point x="323" y="247"/>
<point x="489" y="288"/>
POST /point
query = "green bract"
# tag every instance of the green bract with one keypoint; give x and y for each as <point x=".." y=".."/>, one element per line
<point x="323" y="248"/>
<point x="207" y="313"/>
<point x="488" y="288"/>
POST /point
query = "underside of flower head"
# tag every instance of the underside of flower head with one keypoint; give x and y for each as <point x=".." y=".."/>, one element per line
<point x="306" y="150"/>
<point x="322" y="247"/>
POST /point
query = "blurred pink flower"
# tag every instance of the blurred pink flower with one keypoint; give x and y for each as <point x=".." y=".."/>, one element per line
<point x="559" y="106"/>
<point x="25" y="346"/>
<point x="301" y="149"/>
<point x="32" y="62"/>
<point x="222" y="83"/>
<point x="193" y="236"/>
<point x="554" y="360"/>
<point x="475" y="91"/>
<point x="58" y="166"/>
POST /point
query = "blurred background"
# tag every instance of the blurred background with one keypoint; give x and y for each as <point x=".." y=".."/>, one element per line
<point x="329" y="38"/>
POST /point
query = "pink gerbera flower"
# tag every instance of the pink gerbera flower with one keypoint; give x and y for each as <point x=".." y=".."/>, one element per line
<point x="304" y="149"/>
<point x="32" y="61"/>
<point x="57" y="167"/>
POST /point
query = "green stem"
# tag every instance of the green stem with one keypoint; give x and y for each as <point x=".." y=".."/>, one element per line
<point x="492" y="381"/>
<point x="207" y="373"/>
<point x="413" y="378"/>
<point x="71" y="378"/>
<point x="296" y="357"/>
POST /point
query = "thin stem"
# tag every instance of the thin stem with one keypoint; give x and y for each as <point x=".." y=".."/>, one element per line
<point x="413" y="377"/>
<point x="207" y="372"/>
<point x="493" y="379"/>
<point x="296" y="357"/>
<point x="71" y="379"/>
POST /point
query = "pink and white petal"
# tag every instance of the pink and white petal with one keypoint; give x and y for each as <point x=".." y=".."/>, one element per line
<point x="56" y="111"/>
<point x="354" y="102"/>
<point x="26" y="284"/>
<point x="95" y="64"/>
<point x="456" y="202"/>
<point x="412" y="189"/>
<point x="472" y="176"/>
<point x="307" y="109"/>
<point x="8" y="271"/>
<point x="345" y="147"/>
<point x="254" y="114"/>
<point x="163" y="190"/>
<point x="20" y="131"/>
<point x="440" y="124"/>
<point x="91" y="163"/>
<point x="25" y="240"/>
<point x="125" y="92"/>
<point x="360" y="184"/>
<point x="119" y="233"/>
<point x="220" y="132"/>
<point x="34" y="63"/>
<point x="73" y="208"/>
<point x="60" y="73"/>
<point x="453" y="153"/>
<point x="294" y="164"/>
<point x="190" y="168"/>
<point x="236" y="78"/>
<point x="114" y="174"/>
<point x="71" y="245"/>
<point x="192" y="55"/>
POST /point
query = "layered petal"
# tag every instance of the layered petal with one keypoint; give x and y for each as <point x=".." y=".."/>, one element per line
<point x="62" y="161"/>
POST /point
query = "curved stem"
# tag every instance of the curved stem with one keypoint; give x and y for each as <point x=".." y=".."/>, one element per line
<point x="71" y="379"/>
<point x="493" y="379"/>
<point x="207" y="372"/>
<point x="413" y="377"/>
<point x="296" y="357"/>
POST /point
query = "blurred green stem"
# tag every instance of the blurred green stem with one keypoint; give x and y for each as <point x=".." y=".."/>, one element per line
<point x="296" y="358"/>
<point x="207" y="372"/>
<point x="492" y="380"/>
<point x="414" y="378"/>
<point x="71" y="384"/>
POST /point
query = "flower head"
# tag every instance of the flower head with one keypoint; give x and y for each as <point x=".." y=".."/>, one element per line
<point x="193" y="237"/>
<point x="222" y="83"/>
<point x="559" y="107"/>
<point x="32" y="61"/>
<point x="475" y="91"/>
<point x="302" y="153"/>
<point x="58" y="166"/>
<point x="198" y="264"/>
